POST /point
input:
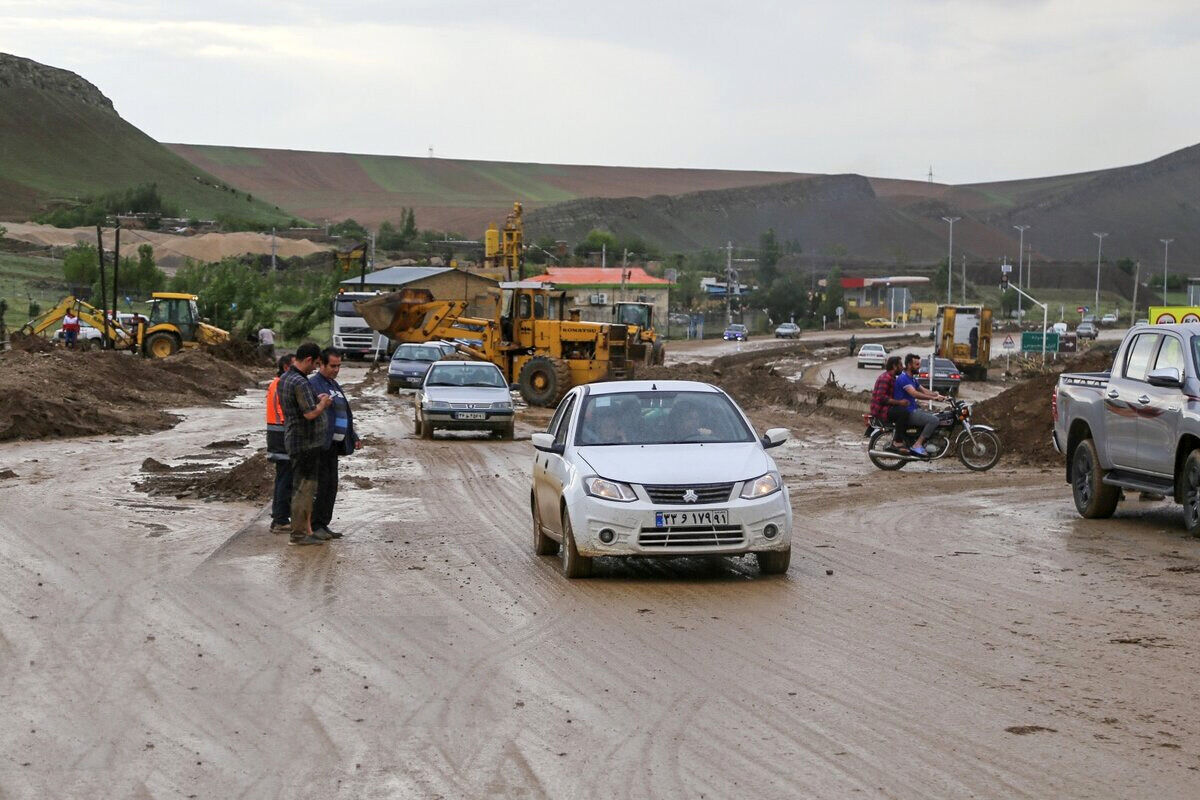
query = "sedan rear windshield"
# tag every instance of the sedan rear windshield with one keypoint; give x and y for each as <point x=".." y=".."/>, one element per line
<point x="416" y="352"/>
<point x="471" y="375"/>
<point x="660" y="418"/>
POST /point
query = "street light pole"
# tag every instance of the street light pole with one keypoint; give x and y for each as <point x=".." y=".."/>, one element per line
<point x="1021" y="268"/>
<point x="1166" y="249"/>
<point x="949" y="266"/>
<point x="1099" y="250"/>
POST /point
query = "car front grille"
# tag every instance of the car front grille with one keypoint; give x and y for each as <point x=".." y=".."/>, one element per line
<point x="705" y="493"/>
<point x="692" y="536"/>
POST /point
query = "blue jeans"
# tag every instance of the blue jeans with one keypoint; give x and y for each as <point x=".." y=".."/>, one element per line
<point x="281" y="502"/>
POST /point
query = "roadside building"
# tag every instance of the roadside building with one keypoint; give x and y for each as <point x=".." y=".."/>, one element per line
<point x="880" y="297"/>
<point x="445" y="283"/>
<point x="594" y="290"/>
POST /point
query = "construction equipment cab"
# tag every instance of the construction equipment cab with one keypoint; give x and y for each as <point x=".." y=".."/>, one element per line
<point x="963" y="334"/>
<point x="643" y="343"/>
<point x="175" y="323"/>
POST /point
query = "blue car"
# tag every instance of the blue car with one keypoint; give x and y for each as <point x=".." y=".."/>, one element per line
<point x="736" y="333"/>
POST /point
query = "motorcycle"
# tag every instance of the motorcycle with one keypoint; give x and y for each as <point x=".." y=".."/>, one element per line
<point x="978" y="446"/>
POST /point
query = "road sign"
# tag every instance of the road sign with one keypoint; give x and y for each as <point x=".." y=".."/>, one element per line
<point x="1031" y="342"/>
<point x="1081" y="309"/>
<point x="1005" y="269"/>
<point x="840" y="311"/>
<point x="1009" y="344"/>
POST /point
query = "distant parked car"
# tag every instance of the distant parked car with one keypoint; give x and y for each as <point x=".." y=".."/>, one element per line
<point x="788" y="330"/>
<point x="1087" y="330"/>
<point x="1058" y="327"/>
<point x="946" y="376"/>
<point x="1089" y="318"/>
<point x="679" y="320"/>
<point x="880" y="322"/>
<point x="1142" y="321"/>
<point x="409" y="364"/>
<point x="871" y="355"/>
<point x="1109" y="319"/>
<point x="736" y="332"/>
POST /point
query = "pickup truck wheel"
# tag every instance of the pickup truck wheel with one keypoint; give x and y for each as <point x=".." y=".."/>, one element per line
<point x="1094" y="499"/>
<point x="1191" y="492"/>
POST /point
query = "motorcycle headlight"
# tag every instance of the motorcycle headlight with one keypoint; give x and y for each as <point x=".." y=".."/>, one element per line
<point x="437" y="405"/>
<point x="761" y="486"/>
<point x="609" y="490"/>
<point x="502" y="405"/>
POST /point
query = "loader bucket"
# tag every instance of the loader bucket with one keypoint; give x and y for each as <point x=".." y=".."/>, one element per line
<point x="396" y="311"/>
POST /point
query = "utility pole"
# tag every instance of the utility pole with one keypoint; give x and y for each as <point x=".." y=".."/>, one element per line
<point x="603" y="255"/>
<point x="1166" y="250"/>
<point x="116" y="277"/>
<point x="1029" y="266"/>
<point x="949" y="268"/>
<point x="1137" y="270"/>
<point x="372" y="263"/>
<point x="103" y="299"/>
<point x="1099" y="251"/>
<point x="273" y="265"/>
<point x="1021" y="269"/>
<point x="728" y="283"/>
<point x="964" y="280"/>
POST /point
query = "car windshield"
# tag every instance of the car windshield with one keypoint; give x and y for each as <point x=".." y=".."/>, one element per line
<point x="345" y="308"/>
<point x="465" y="375"/>
<point x="631" y="314"/>
<point x="659" y="417"/>
<point x="417" y="352"/>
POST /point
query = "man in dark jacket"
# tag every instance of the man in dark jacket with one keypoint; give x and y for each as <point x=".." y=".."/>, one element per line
<point x="340" y="440"/>
<point x="304" y="438"/>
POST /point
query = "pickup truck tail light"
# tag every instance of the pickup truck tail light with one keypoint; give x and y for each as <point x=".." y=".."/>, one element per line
<point x="1054" y="403"/>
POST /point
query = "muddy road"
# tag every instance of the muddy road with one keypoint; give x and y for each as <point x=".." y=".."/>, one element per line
<point x="940" y="634"/>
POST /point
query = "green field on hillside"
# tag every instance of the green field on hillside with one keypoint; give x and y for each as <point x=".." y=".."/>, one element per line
<point x="55" y="148"/>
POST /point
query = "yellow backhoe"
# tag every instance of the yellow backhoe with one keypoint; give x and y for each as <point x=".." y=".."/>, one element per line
<point x="174" y="323"/>
<point x="530" y="336"/>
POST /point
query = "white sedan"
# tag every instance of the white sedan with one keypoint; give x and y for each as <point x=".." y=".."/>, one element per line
<point x="872" y="355"/>
<point x="657" y="468"/>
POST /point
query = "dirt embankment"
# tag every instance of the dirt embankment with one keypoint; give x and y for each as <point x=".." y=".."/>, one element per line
<point x="1022" y="416"/>
<point x="70" y="393"/>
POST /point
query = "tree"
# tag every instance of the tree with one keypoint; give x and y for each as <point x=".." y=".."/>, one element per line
<point x="148" y="277"/>
<point x="834" y="295"/>
<point x="786" y="299"/>
<point x="408" y="231"/>
<point x="349" y="228"/>
<point x="595" y="241"/>
<point x="940" y="279"/>
<point x="81" y="266"/>
<point x="1008" y="302"/>
<point x="769" y="252"/>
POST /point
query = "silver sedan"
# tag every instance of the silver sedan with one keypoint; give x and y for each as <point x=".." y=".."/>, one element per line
<point x="464" y="395"/>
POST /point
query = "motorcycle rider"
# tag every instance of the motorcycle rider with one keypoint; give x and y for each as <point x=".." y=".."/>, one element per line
<point x="885" y="407"/>
<point x="909" y="389"/>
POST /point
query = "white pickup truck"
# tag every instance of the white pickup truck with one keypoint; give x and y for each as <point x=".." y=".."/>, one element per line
<point x="1137" y="426"/>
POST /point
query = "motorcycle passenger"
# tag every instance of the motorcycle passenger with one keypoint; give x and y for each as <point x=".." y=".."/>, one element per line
<point x="885" y="406"/>
<point x="908" y="388"/>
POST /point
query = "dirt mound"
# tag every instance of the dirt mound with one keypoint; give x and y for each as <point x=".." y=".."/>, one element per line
<point x="252" y="480"/>
<point x="71" y="393"/>
<point x="30" y="344"/>
<point x="239" y="351"/>
<point x="751" y="385"/>
<point x="1021" y="414"/>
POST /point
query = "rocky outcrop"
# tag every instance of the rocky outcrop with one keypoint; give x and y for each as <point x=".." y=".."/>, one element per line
<point x="21" y="73"/>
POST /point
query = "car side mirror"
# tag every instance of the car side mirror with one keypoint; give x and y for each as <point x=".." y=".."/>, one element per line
<point x="1167" y="376"/>
<point x="545" y="443"/>
<point x="775" y="437"/>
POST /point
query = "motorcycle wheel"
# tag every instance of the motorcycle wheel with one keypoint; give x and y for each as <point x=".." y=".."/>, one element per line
<point x="879" y="454"/>
<point x="981" y="455"/>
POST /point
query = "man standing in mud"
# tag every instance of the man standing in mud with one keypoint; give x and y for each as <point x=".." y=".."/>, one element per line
<point x="304" y="438"/>
<point x="340" y="440"/>
<point x="281" y="497"/>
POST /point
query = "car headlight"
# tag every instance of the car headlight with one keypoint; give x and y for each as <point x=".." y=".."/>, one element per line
<point x="435" y="405"/>
<point x="761" y="486"/>
<point x="609" y="490"/>
<point x="502" y="405"/>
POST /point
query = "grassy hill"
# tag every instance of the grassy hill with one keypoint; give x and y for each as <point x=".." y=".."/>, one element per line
<point x="448" y="194"/>
<point x="61" y="139"/>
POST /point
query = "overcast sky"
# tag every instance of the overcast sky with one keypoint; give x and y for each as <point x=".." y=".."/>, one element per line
<point x="982" y="90"/>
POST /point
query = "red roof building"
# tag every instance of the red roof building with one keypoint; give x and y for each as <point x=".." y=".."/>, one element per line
<point x="601" y="277"/>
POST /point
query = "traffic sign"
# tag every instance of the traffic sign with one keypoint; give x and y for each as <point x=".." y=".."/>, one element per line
<point x="1031" y="342"/>
<point x="1009" y="344"/>
<point x="1081" y="309"/>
